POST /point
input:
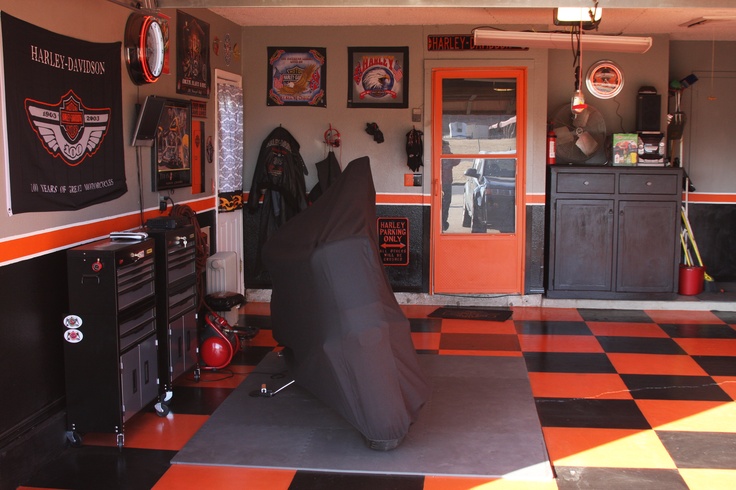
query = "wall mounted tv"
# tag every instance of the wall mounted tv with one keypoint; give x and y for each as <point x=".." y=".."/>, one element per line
<point x="146" y="124"/>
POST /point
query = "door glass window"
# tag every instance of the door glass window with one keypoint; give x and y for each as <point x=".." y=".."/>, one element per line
<point x="479" y="184"/>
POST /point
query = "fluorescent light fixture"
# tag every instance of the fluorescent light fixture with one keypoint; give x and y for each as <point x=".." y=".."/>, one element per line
<point x="571" y="16"/>
<point x="555" y="40"/>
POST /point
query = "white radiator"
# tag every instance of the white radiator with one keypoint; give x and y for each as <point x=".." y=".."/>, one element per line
<point x="230" y="239"/>
<point x="222" y="273"/>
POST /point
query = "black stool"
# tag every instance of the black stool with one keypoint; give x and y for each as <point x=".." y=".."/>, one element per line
<point x="223" y="303"/>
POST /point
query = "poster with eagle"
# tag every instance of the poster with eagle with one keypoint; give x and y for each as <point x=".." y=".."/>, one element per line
<point x="378" y="77"/>
<point x="297" y="77"/>
<point x="64" y="127"/>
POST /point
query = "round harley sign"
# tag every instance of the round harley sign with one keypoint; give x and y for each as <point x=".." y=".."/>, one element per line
<point x="73" y="336"/>
<point x="72" y="321"/>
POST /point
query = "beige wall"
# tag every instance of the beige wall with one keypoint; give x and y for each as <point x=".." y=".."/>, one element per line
<point x="709" y="105"/>
<point x="648" y="69"/>
<point x="308" y="124"/>
<point x="389" y="158"/>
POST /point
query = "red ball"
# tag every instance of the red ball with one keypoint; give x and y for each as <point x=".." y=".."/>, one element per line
<point x="216" y="352"/>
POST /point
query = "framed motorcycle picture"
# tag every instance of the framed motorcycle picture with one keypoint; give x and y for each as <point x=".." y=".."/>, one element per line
<point x="172" y="147"/>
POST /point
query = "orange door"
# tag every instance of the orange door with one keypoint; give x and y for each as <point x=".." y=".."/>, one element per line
<point x="478" y="166"/>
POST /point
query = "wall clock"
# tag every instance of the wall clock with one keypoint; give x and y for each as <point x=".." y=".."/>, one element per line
<point x="604" y="79"/>
<point x="144" y="48"/>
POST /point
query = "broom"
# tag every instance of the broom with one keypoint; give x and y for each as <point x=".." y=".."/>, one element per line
<point x="688" y="259"/>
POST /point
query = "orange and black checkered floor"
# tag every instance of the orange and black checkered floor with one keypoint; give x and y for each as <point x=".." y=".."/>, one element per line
<point x="633" y="400"/>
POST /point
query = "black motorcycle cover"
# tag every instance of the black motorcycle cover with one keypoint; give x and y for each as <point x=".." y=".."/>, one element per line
<point x="347" y="340"/>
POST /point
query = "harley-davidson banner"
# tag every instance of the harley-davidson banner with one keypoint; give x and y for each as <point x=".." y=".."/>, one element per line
<point x="64" y="119"/>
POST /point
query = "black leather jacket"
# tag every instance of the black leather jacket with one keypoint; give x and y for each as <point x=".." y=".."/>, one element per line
<point x="279" y="178"/>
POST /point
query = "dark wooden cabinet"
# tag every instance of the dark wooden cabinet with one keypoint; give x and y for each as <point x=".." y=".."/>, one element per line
<point x="613" y="232"/>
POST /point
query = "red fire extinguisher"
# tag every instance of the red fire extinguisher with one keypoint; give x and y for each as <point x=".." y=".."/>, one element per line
<point x="551" y="143"/>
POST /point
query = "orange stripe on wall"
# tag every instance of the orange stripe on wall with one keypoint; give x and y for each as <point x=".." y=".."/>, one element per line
<point x="423" y="199"/>
<point x="409" y="199"/>
<point x="31" y="245"/>
<point x="704" y="197"/>
<point x="535" y="199"/>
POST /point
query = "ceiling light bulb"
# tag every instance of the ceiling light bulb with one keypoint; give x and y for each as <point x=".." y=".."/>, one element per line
<point x="578" y="14"/>
<point x="578" y="102"/>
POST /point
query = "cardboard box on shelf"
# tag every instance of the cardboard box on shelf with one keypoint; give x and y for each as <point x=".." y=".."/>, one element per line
<point x="625" y="148"/>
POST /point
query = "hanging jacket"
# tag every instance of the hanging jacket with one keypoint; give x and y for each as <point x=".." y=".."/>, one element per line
<point x="328" y="170"/>
<point x="414" y="149"/>
<point x="279" y="178"/>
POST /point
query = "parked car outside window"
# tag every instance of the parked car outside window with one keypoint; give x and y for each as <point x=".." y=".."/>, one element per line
<point x="490" y="196"/>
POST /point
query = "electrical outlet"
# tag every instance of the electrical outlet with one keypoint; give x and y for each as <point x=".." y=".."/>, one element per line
<point x="162" y="204"/>
<point x="412" y="180"/>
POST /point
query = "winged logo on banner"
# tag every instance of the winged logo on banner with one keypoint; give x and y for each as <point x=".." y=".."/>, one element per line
<point x="68" y="129"/>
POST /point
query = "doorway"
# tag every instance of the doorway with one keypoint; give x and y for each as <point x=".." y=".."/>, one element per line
<point x="478" y="171"/>
<point x="229" y="169"/>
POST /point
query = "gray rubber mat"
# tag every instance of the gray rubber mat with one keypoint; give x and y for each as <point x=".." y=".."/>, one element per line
<point x="480" y="421"/>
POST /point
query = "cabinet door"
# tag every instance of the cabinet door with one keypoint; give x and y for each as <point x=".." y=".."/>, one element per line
<point x="176" y="348"/>
<point x="647" y="244"/>
<point x="183" y="344"/>
<point x="583" y="245"/>
<point x="138" y="375"/>
<point x="191" y="342"/>
<point x="149" y="370"/>
<point x="130" y="382"/>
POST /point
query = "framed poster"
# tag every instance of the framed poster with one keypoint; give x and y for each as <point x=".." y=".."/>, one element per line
<point x="604" y="79"/>
<point x="197" y="157"/>
<point x="378" y="77"/>
<point x="172" y="149"/>
<point x="297" y="77"/>
<point x="193" y="56"/>
<point x="199" y="109"/>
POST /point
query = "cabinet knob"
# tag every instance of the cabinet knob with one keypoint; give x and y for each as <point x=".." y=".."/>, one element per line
<point x="586" y="183"/>
<point x="649" y="183"/>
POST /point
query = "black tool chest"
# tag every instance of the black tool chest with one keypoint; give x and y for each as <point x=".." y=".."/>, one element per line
<point x="110" y="351"/>
<point x="176" y="300"/>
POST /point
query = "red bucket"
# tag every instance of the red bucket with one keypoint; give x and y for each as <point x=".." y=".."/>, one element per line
<point x="691" y="279"/>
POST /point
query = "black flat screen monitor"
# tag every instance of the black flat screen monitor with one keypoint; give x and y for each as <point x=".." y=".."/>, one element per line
<point x="147" y="121"/>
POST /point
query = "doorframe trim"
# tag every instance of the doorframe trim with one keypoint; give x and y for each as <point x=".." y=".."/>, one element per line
<point x="536" y="116"/>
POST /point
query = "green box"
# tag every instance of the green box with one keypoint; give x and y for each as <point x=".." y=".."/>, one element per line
<point x="625" y="148"/>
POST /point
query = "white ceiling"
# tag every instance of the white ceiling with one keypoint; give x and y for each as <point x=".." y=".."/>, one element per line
<point x="619" y="16"/>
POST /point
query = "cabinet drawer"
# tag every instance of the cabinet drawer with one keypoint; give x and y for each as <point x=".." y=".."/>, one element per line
<point x="584" y="183"/>
<point x="134" y="329"/>
<point x="649" y="184"/>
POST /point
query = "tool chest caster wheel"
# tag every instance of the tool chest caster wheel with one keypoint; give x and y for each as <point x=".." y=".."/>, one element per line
<point x="73" y="437"/>
<point x="162" y="410"/>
